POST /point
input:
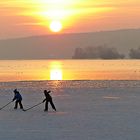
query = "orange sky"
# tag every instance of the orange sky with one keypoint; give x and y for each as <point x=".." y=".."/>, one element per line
<point x="33" y="17"/>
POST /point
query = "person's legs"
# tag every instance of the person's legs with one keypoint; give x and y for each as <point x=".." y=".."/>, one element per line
<point x="16" y="104"/>
<point x="46" y="106"/>
<point x="20" y="104"/>
<point x="52" y="104"/>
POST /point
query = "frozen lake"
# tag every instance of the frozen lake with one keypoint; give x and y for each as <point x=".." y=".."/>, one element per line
<point x="87" y="110"/>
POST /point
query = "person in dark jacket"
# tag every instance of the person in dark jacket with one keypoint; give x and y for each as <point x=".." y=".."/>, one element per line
<point x="48" y="99"/>
<point x="17" y="98"/>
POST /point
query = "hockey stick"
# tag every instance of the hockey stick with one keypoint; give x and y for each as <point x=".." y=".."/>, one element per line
<point x="32" y="106"/>
<point x="6" y="105"/>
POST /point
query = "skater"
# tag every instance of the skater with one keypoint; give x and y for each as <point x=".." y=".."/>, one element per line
<point x="18" y="99"/>
<point x="48" y="99"/>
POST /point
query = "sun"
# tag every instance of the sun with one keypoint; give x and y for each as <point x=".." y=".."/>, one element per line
<point x="55" y="26"/>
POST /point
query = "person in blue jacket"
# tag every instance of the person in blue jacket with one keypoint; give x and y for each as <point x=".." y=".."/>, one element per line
<point x="18" y="99"/>
<point x="48" y="99"/>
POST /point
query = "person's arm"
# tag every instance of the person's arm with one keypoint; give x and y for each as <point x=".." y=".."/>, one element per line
<point x="48" y="91"/>
<point x="14" y="98"/>
<point x="44" y="100"/>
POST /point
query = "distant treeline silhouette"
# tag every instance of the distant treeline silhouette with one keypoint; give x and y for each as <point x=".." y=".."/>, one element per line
<point x="134" y="53"/>
<point x="99" y="52"/>
<point x="104" y="52"/>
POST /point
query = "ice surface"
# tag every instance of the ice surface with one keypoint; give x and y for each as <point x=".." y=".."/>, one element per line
<point x="86" y="110"/>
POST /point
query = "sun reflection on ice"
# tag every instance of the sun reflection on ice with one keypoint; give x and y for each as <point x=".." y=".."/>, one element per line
<point x="56" y="71"/>
<point x="56" y="74"/>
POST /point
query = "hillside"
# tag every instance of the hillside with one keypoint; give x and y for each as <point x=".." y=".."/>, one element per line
<point x="62" y="46"/>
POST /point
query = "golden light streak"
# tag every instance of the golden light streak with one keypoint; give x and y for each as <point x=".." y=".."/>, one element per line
<point x="54" y="14"/>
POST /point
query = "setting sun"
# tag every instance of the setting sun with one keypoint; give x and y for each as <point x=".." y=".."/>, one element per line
<point x="55" y="26"/>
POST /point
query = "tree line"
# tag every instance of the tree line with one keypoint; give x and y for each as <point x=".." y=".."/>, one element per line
<point x="104" y="52"/>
